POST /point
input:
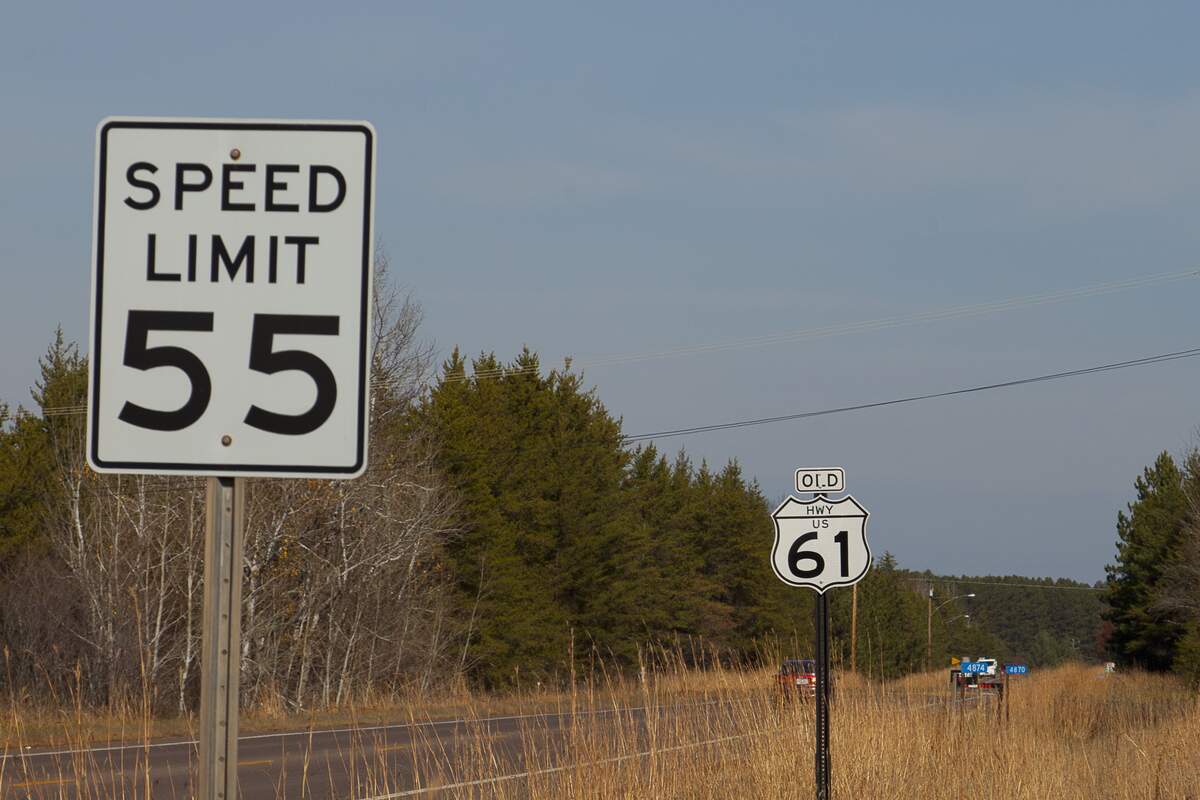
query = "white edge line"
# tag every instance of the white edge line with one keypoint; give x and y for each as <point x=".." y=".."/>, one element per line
<point x="550" y="770"/>
<point x="327" y="731"/>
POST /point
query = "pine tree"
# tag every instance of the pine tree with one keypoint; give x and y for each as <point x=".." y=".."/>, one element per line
<point x="1149" y="537"/>
<point x="642" y="592"/>
<point x="539" y="464"/>
<point x="30" y="443"/>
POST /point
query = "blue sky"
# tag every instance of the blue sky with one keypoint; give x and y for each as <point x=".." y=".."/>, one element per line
<point x="623" y="178"/>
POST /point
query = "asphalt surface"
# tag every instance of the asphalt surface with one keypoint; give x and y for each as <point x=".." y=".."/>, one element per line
<point x="371" y="761"/>
<point x="367" y="761"/>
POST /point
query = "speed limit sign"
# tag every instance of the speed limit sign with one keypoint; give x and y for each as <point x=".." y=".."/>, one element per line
<point x="821" y="543"/>
<point x="231" y="287"/>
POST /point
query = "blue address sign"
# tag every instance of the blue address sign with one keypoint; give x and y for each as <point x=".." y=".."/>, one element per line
<point x="1016" y="669"/>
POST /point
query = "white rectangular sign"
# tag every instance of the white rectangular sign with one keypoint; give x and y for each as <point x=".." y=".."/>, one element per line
<point x="820" y="479"/>
<point x="231" y="293"/>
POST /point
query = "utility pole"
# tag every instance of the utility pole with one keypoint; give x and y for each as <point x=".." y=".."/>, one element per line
<point x="854" y="628"/>
<point x="929" y="624"/>
<point x="929" y="634"/>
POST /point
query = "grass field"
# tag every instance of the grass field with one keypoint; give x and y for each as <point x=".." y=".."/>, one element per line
<point x="1071" y="733"/>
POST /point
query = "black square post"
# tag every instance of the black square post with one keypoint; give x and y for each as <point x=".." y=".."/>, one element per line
<point x="821" y="613"/>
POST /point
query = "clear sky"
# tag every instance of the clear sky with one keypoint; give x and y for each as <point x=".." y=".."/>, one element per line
<point x="624" y="178"/>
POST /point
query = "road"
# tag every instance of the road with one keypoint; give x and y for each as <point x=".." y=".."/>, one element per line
<point x="389" y="761"/>
<point x="376" y="760"/>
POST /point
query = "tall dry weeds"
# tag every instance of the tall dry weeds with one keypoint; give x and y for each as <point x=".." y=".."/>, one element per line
<point x="672" y="731"/>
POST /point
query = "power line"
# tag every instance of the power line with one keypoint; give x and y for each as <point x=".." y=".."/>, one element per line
<point x="1009" y="585"/>
<point x="862" y="326"/>
<point x="675" y="432"/>
<point x="746" y="423"/>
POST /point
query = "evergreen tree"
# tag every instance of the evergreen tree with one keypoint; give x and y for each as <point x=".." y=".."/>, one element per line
<point x="891" y="621"/>
<point x="539" y="464"/>
<point x="1149" y="537"/>
<point x="23" y="463"/>
<point x="30" y="443"/>
<point x="644" y="590"/>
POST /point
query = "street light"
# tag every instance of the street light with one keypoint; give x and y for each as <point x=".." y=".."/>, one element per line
<point x="929" y="625"/>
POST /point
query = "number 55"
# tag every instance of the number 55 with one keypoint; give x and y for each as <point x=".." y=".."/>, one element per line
<point x="263" y="358"/>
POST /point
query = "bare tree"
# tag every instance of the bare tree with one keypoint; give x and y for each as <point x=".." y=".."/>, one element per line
<point x="344" y="592"/>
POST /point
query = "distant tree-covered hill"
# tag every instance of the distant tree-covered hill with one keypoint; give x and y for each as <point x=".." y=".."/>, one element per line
<point x="1040" y="620"/>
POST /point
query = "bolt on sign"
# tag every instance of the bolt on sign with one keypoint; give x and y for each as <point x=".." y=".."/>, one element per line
<point x="231" y="297"/>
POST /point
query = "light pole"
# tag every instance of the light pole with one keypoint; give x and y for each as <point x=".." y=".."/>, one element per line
<point x="929" y="625"/>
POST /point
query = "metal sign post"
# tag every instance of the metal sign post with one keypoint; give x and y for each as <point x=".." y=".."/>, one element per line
<point x="230" y="335"/>
<point x="1005" y="690"/>
<point x="819" y="545"/>
<point x="821" y="625"/>
<point x="1012" y="669"/>
<point x="221" y="643"/>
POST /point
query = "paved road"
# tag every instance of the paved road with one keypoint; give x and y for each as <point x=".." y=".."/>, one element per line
<point x="377" y="760"/>
<point x="368" y="761"/>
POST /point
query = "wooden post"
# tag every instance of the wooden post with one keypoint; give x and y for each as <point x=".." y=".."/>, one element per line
<point x="929" y="634"/>
<point x="854" y="628"/>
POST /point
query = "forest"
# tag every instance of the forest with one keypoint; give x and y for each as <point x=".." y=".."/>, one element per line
<point x="503" y="535"/>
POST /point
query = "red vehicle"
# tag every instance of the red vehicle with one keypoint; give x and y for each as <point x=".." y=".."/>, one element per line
<point x="798" y="676"/>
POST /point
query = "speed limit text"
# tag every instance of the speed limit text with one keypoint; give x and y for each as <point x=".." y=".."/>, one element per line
<point x="237" y="187"/>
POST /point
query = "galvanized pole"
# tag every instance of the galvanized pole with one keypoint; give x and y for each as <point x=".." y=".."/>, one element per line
<point x="221" y="640"/>
<point x="1005" y="690"/>
<point x="821" y="614"/>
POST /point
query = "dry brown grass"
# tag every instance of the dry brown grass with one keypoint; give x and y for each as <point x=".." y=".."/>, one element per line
<point x="724" y="733"/>
<point x="1072" y="733"/>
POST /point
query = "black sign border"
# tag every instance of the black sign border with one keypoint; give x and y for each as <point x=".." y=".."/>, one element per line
<point x="820" y="496"/>
<point x="101" y="191"/>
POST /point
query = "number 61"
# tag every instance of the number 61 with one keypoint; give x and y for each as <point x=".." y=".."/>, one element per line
<point x="796" y="555"/>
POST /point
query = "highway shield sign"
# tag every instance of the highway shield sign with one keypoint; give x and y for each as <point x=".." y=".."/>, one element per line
<point x="821" y="543"/>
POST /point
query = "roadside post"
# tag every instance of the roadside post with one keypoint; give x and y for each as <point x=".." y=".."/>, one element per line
<point x="820" y="544"/>
<point x="230" y="323"/>
<point x="1016" y="668"/>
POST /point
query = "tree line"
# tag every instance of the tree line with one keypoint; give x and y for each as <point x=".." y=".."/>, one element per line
<point x="504" y="535"/>
<point x="1153" y="588"/>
